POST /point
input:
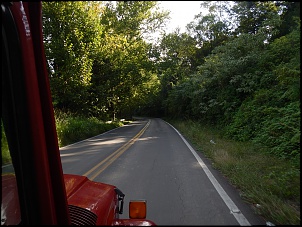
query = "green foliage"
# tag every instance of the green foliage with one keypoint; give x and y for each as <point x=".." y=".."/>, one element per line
<point x="123" y="82"/>
<point x="253" y="16"/>
<point x="245" y="79"/>
<point x="125" y="75"/>
<point x="174" y="65"/>
<point x="246" y="123"/>
<point x="289" y="18"/>
<point x="133" y="19"/>
<point x="178" y="101"/>
<point x="283" y="181"/>
<point x="249" y="86"/>
<point x="272" y="116"/>
<point x="276" y="128"/>
<point x="72" y="128"/>
<point x="281" y="132"/>
<point x="232" y="70"/>
<point x="98" y="60"/>
<point x="210" y="30"/>
<point x="71" y="36"/>
<point x="6" y="158"/>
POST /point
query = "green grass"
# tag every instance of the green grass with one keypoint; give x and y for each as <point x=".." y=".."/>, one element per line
<point x="6" y="159"/>
<point x="261" y="178"/>
<point x="71" y="128"/>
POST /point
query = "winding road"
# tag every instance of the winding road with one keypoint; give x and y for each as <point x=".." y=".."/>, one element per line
<point x="149" y="159"/>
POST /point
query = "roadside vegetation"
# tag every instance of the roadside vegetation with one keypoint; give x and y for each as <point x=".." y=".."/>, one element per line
<point x="72" y="128"/>
<point x="4" y="147"/>
<point x="270" y="184"/>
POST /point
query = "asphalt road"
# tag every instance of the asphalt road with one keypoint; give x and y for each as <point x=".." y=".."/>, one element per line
<point x="148" y="159"/>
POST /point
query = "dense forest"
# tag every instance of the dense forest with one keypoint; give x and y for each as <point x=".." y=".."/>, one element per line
<point x="236" y="68"/>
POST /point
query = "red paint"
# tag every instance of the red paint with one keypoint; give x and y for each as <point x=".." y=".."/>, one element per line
<point x="96" y="197"/>
<point x="10" y="208"/>
<point x="28" y="16"/>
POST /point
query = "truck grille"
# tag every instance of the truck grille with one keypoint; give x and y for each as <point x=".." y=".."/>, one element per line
<point x="81" y="216"/>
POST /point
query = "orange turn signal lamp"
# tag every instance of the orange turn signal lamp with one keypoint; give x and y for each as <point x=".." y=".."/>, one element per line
<point x="138" y="209"/>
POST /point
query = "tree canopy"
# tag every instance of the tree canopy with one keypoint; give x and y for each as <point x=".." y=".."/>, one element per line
<point x="236" y="68"/>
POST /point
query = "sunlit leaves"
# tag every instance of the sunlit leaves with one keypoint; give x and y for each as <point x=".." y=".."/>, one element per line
<point x="124" y="69"/>
<point x="133" y="18"/>
<point x="71" y="32"/>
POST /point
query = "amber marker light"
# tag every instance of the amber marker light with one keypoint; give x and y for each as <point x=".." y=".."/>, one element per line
<point x="138" y="209"/>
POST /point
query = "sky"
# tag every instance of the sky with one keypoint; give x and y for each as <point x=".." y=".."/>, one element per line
<point x="182" y="13"/>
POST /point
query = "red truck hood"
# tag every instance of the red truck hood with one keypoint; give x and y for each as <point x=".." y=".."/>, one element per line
<point x="90" y="203"/>
<point x="96" y="197"/>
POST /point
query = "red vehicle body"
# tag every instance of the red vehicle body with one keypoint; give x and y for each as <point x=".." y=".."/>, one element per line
<point x="37" y="191"/>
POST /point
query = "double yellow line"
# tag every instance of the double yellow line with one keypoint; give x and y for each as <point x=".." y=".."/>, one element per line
<point x="111" y="158"/>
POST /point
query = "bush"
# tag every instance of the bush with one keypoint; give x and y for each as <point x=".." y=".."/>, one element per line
<point x="72" y="128"/>
<point x="6" y="159"/>
<point x="281" y="134"/>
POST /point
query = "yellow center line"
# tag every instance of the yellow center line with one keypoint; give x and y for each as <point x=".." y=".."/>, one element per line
<point x="111" y="158"/>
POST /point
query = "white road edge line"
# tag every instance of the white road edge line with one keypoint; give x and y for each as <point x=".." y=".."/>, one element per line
<point x="228" y="201"/>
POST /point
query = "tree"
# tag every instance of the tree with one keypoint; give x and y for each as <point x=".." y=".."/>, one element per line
<point x="98" y="60"/>
<point x="212" y="29"/>
<point x="176" y="60"/>
<point x="290" y="14"/>
<point x="123" y="71"/>
<point x="71" y="35"/>
<point x="133" y="19"/>
<point x="255" y="15"/>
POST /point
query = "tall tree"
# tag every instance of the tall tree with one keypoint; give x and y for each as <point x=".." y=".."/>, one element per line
<point x="134" y="19"/>
<point x="290" y="15"/>
<point x="71" y="35"/>
<point x="254" y="15"/>
<point x="124" y="68"/>
<point x="211" y="29"/>
<point x="176" y="60"/>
